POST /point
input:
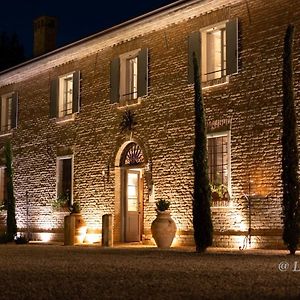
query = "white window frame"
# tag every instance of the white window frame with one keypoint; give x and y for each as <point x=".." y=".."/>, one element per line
<point x="58" y="160"/>
<point x="228" y="134"/>
<point x="62" y="101"/>
<point x="125" y="85"/>
<point x="223" y="78"/>
<point x="6" y="111"/>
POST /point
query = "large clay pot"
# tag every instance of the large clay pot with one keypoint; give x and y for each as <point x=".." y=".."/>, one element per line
<point x="75" y="229"/>
<point x="80" y="228"/>
<point x="163" y="229"/>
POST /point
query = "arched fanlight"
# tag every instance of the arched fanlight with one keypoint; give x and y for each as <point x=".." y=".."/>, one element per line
<point x="132" y="155"/>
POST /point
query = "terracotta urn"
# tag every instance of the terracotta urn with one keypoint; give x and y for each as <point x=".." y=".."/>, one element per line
<point x="80" y="228"/>
<point x="163" y="229"/>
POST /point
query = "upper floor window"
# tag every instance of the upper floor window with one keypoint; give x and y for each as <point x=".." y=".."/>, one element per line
<point x="64" y="95"/>
<point x="129" y="76"/>
<point x="218" y="146"/>
<point x="213" y="53"/>
<point x="9" y="103"/>
<point x="217" y="45"/>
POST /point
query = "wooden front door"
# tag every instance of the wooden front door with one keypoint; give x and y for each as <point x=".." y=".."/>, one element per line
<point x="133" y="206"/>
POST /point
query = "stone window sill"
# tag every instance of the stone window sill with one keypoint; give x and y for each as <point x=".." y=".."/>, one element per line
<point x="215" y="82"/>
<point x="5" y="133"/>
<point x="124" y="104"/>
<point x="65" y="119"/>
<point x="220" y="203"/>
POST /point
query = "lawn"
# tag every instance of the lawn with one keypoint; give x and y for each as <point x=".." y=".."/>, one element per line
<point x="63" y="272"/>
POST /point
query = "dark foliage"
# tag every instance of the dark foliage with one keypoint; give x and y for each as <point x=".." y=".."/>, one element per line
<point x="21" y="240"/>
<point x="203" y="228"/>
<point x="128" y="121"/>
<point x="290" y="160"/>
<point x="3" y="238"/>
<point x="162" y="205"/>
<point x="11" y="51"/>
<point x="11" y="229"/>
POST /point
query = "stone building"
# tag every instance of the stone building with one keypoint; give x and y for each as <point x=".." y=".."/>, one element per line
<point x="62" y="112"/>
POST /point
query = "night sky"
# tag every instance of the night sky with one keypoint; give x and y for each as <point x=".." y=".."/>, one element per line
<point x="77" y="19"/>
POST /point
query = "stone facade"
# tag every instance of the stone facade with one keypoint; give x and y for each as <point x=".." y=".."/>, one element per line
<point x="250" y="104"/>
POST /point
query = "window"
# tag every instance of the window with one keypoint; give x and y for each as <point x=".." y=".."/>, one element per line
<point x="8" y="112"/>
<point x="65" y="178"/>
<point x="129" y="76"/>
<point x="3" y="187"/>
<point x="218" y="51"/>
<point x="64" y="96"/>
<point x="213" y="53"/>
<point x="219" y="163"/>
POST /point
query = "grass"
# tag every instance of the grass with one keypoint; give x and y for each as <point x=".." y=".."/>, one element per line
<point x="63" y="272"/>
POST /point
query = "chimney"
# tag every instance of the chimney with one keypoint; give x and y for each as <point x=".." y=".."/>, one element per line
<point x="44" y="35"/>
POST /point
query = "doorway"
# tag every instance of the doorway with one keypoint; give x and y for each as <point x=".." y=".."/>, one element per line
<point x="133" y="205"/>
<point x="132" y="165"/>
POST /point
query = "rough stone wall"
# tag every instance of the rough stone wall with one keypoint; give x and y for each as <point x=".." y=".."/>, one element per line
<point x="251" y="101"/>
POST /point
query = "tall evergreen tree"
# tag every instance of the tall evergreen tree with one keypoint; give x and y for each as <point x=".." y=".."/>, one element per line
<point x="290" y="160"/>
<point x="11" y="229"/>
<point x="202" y="222"/>
<point x="11" y="51"/>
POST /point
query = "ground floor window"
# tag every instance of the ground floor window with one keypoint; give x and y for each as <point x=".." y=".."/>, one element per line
<point x="218" y="147"/>
<point x="3" y="187"/>
<point x="65" y="178"/>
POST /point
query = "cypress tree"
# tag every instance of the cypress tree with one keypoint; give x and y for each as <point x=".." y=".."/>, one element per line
<point x="11" y="51"/>
<point x="203" y="228"/>
<point x="11" y="229"/>
<point x="290" y="160"/>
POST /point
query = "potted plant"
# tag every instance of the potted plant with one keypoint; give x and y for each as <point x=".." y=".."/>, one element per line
<point x="62" y="202"/>
<point x="219" y="192"/>
<point x="163" y="228"/>
<point x="74" y="226"/>
<point x="75" y="208"/>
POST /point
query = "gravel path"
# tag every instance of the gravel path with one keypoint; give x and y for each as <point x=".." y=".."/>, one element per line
<point x="62" y="272"/>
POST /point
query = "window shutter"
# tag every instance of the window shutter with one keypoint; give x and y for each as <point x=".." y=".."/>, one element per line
<point x="54" y="98"/>
<point x="232" y="47"/>
<point x="14" y="110"/>
<point x="76" y="92"/>
<point x="115" y="80"/>
<point x="1" y="99"/>
<point x="143" y="73"/>
<point x="194" y="46"/>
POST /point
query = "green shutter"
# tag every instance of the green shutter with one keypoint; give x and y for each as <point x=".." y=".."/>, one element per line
<point x="54" y="98"/>
<point x="1" y="99"/>
<point x="76" y="92"/>
<point x="14" y="110"/>
<point x="143" y="73"/>
<point x="232" y="47"/>
<point x="115" y="80"/>
<point x="194" y="46"/>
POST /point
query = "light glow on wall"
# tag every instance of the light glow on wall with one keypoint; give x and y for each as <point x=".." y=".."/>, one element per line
<point x="91" y="238"/>
<point x="45" y="237"/>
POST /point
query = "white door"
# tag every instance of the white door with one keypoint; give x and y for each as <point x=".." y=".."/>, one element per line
<point x="132" y="207"/>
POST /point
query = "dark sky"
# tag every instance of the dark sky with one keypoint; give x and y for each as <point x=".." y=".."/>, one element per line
<point x="77" y="19"/>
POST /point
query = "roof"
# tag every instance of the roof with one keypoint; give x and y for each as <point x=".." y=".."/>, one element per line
<point x="154" y="20"/>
